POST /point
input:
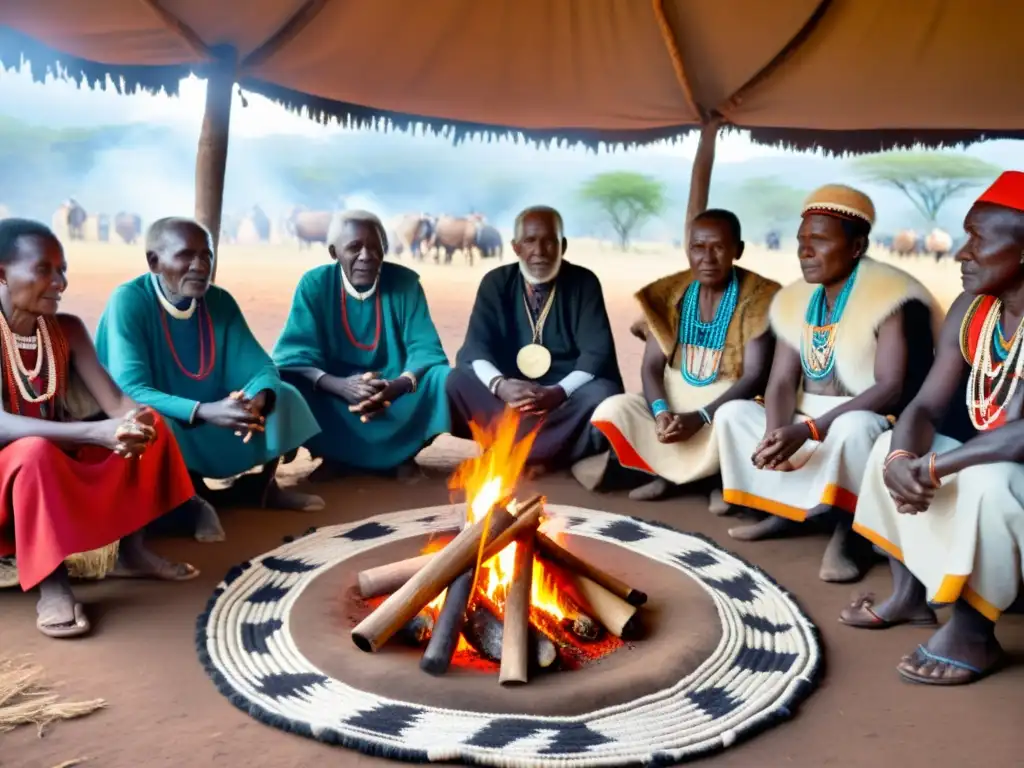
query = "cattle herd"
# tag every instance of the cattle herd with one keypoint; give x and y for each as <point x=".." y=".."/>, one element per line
<point x="421" y="235"/>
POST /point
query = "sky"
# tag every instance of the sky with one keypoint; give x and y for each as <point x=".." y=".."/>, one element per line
<point x="261" y="116"/>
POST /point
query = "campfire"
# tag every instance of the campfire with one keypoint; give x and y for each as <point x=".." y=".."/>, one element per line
<point x="503" y="586"/>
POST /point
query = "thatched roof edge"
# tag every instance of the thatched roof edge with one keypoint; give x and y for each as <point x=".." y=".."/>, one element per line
<point x="17" y="48"/>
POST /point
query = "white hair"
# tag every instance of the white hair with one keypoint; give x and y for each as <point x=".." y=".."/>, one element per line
<point x="545" y="210"/>
<point x="340" y="219"/>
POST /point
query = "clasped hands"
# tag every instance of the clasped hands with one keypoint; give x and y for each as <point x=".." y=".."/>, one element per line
<point x="237" y="412"/>
<point x="134" y="433"/>
<point x="779" y="445"/>
<point x="529" y="398"/>
<point x="911" y="482"/>
<point x="367" y="394"/>
<point x="677" y="427"/>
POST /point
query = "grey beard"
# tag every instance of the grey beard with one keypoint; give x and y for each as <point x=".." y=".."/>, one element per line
<point x="532" y="280"/>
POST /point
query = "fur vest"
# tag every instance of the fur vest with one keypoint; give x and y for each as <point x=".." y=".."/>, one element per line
<point x="661" y="303"/>
<point x="880" y="291"/>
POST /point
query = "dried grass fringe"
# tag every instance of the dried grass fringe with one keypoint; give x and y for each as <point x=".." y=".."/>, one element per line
<point x="25" y="700"/>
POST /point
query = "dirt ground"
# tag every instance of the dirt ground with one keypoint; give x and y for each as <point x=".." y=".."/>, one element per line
<point x="164" y="711"/>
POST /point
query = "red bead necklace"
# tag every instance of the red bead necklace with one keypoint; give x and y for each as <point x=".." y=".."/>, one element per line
<point x="348" y="328"/>
<point x="205" y="365"/>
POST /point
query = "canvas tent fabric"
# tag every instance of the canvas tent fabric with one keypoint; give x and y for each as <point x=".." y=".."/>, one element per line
<point x="619" y="70"/>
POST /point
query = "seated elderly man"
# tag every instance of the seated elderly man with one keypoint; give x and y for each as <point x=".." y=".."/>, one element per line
<point x="707" y="344"/>
<point x="177" y="343"/>
<point x="854" y="343"/>
<point x="361" y="347"/>
<point x="950" y="514"/>
<point x="538" y="341"/>
<point x="68" y="486"/>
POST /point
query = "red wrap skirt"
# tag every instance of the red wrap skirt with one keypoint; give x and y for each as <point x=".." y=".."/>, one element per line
<point x="54" y="504"/>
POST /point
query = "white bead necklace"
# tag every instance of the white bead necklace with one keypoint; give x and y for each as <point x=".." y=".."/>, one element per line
<point x="981" y="390"/>
<point x="14" y="360"/>
<point x="173" y="311"/>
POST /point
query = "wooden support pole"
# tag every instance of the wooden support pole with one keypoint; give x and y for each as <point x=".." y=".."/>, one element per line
<point x="700" y="175"/>
<point x="212" y="155"/>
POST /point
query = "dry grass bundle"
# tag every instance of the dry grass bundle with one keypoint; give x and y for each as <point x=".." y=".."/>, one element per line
<point x="25" y="700"/>
<point x="95" y="564"/>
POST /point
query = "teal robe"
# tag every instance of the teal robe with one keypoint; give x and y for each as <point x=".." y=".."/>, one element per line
<point x="314" y="337"/>
<point x="132" y="345"/>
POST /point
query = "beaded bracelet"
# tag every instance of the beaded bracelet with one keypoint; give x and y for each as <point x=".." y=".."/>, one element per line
<point x="495" y="383"/>
<point x="932" y="471"/>
<point x="658" y="407"/>
<point x="813" y="428"/>
<point x="704" y="415"/>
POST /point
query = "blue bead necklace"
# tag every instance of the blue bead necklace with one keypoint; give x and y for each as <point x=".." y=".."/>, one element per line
<point x="702" y="343"/>
<point x="821" y="327"/>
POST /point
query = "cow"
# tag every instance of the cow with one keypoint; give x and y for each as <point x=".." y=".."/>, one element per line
<point x="412" y="231"/>
<point x="309" y="227"/>
<point x="128" y="227"/>
<point x="76" y="217"/>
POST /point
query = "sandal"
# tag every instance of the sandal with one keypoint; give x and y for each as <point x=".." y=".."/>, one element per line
<point x="860" y="616"/>
<point x="61" y="629"/>
<point x="968" y="673"/>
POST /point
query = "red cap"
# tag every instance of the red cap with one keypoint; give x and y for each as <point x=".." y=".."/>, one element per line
<point x="1007" y="191"/>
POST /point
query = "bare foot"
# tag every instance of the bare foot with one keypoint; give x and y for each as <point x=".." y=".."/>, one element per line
<point x="771" y="526"/>
<point x="847" y="557"/>
<point x="58" y="614"/>
<point x="589" y="472"/>
<point x="136" y="561"/>
<point x="717" y="505"/>
<point x="208" y="527"/>
<point x="277" y="497"/>
<point x="651" y="491"/>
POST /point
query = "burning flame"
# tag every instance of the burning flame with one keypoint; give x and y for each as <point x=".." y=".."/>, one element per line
<point x="488" y="480"/>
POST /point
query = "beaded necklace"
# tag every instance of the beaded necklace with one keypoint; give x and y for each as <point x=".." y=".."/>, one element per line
<point x="992" y="384"/>
<point x="344" y="317"/>
<point x="18" y="379"/>
<point x="821" y="327"/>
<point x="207" y="340"/>
<point x="703" y="342"/>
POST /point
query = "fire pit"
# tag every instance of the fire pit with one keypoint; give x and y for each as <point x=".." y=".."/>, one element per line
<point x="718" y="651"/>
<point x="502" y="587"/>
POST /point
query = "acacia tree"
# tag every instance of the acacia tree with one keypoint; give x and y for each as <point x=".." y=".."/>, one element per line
<point x="628" y="200"/>
<point x="927" y="179"/>
<point x="769" y="200"/>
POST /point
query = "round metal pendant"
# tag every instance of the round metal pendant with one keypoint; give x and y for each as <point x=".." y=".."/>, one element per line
<point x="534" y="361"/>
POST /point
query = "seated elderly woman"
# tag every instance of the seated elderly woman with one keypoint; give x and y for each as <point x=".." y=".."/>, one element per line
<point x="180" y="345"/>
<point x="707" y="343"/>
<point x="944" y="498"/>
<point x="361" y="347"/>
<point x="70" y="487"/>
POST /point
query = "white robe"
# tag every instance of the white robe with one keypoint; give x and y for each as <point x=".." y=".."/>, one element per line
<point x="969" y="542"/>
<point x="819" y="475"/>
<point x="627" y="422"/>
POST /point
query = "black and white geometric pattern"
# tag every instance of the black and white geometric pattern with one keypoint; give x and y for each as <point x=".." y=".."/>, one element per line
<point x="767" y="661"/>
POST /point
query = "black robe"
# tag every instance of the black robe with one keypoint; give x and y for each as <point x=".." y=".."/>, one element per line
<point x="577" y="333"/>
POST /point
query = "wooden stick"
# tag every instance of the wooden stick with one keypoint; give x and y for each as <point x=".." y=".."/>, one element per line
<point x="515" y="639"/>
<point x="448" y="626"/>
<point x="609" y="609"/>
<point x="385" y="579"/>
<point x="413" y="596"/>
<point x="417" y="630"/>
<point x="581" y="567"/>
<point x="483" y="631"/>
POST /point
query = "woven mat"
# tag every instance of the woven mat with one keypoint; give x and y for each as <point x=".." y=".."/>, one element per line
<point x="767" y="661"/>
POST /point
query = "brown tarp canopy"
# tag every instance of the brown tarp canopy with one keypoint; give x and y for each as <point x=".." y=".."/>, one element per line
<point x="805" y="72"/>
